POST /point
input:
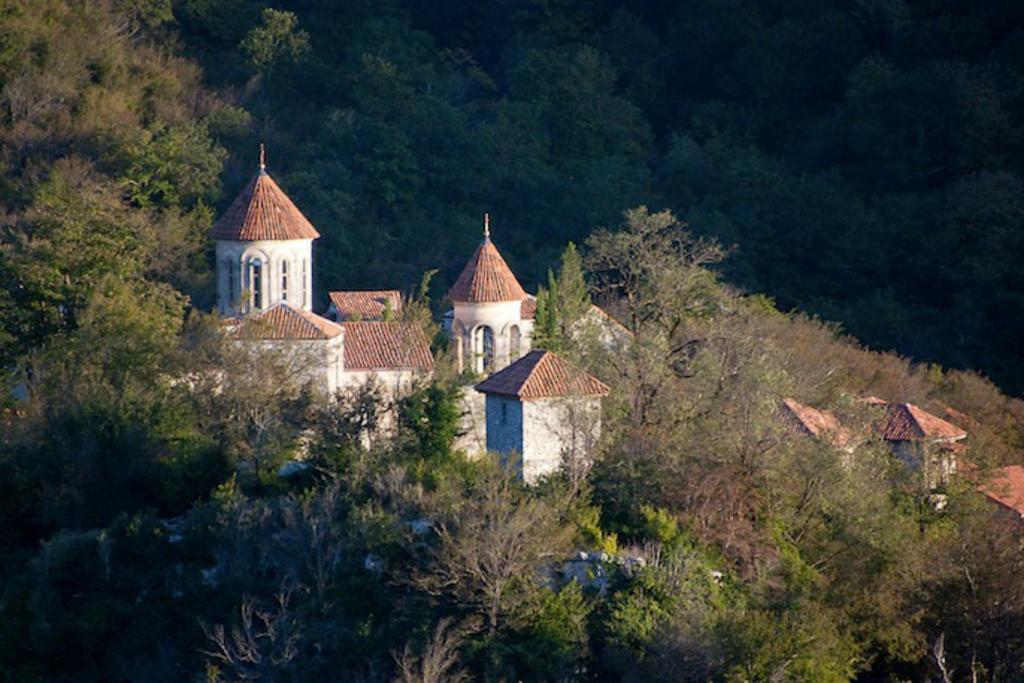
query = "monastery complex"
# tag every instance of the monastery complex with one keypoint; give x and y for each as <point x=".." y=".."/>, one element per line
<point x="532" y="406"/>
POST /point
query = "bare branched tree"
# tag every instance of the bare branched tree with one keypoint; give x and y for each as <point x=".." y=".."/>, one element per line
<point x="438" y="659"/>
<point x="264" y="641"/>
<point x="498" y="542"/>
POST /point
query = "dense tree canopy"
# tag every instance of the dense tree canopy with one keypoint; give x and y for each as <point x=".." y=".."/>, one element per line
<point x="857" y="162"/>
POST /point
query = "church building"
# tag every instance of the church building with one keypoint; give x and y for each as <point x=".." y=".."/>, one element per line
<point x="264" y="250"/>
<point x="537" y="406"/>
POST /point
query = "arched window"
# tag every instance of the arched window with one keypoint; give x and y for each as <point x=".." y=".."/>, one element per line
<point x="284" y="281"/>
<point x="513" y="344"/>
<point x="484" y="343"/>
<point x="256" y="282"/>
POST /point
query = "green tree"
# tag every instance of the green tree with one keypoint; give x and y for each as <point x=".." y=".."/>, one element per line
<point x="277" y="40"/>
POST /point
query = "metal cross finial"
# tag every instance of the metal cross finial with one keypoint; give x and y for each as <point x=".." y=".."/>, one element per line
<point x="487" y="226"/>
<point x="263" y="157"/>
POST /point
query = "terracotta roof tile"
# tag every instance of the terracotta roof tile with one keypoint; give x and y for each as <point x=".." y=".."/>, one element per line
<point x="366" y="304"/>
<point x="281" y="322"/>
<point x="1006" y="488"/>
<point x="375" y="345"/>
<point x="528" y="308"/>
<point x="542" y="374"/>
<point x="800" y="418"/>
<point x="262" y="211"/>
<point x="907" y="422"/>
<point x="486" y="278"/>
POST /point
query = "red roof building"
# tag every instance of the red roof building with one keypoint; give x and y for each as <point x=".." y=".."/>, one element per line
<point x="364" y="304"/>
<point x="281" y="322"/>
<point x="1006" y="489"/>
<point x="486" y="278"/>
<point x="376" y="346"/>
<point x="798" y="418"/>
<point x="542" y="374"/>
<point x="907" y="422"/>
<point x="262" y="211"/>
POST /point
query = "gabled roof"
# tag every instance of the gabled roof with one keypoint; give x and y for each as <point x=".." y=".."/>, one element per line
<point x="542" y="374"/>
<point x="282" y="322"/>
<point x="262" y="211"/>
<point x="486" y="278"/>
<point x="375" y="345"/>
<point x="1006" y="488"/>
<point x="907" y="422"/>
<point x="800" y="418"/>
<point x="365" y="304"/>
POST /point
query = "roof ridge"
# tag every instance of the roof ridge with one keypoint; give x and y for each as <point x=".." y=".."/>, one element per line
<point x="542" y="374"/>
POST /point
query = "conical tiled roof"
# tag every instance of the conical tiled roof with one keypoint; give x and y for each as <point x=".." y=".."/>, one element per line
<point x="542" y="374"/>
<point x="262" y="211"/>
<point x="486" y="278"/>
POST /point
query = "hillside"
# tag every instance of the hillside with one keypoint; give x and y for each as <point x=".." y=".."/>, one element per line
<point x="177" y="506"/>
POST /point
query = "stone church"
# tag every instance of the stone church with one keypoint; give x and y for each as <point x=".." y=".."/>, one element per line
<point x="264" y="252"/>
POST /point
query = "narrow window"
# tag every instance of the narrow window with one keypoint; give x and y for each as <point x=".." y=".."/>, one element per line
<point x="284" y="281"/>
<point x="504" y="413"/>
<point x="488" y="349"/>
<point x="257" y="283"/>
<point x="305" y="287"/>
<point x="229" y="284"/>
<point x="513" y="344"/>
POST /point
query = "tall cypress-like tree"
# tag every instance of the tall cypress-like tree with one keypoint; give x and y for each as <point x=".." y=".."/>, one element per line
<point x="563" y="303"/>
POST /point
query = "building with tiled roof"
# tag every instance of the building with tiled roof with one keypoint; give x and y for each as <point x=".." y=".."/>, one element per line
<point x="491" y="324"/>
<point x="282" y="322"/>
<point x="375" y="346"/>
<point x="264" y="250"/>
<point x="313" y="345"/>
<point x="798" y="418"/>
<point x="1005" y="488"/>
<point x="921" y="439"/>
<point x="370" y="304"/>
<point x="907" y="422"/>
<point x="542" y="374"/>
<point x="542" y="412"/>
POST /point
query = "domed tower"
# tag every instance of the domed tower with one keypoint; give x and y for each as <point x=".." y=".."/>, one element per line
<point x="487" y="324"/>
<point x="264" y="250"/>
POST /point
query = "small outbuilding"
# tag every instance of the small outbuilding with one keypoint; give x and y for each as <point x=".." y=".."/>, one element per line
<point x="543" y="409"/>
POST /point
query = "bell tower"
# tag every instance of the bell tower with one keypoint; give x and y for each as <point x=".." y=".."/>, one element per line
<point x="487" y="324"/>
<point x="264" y="249"/>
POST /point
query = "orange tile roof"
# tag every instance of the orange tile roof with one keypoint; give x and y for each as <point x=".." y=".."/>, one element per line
<point x="800" y="418"/>
<point x="907" y="422"/>
<point x="365" y="304"/>
<point x="486" y="278"/>
<point x="542" y="374"/>
<point x="262" y="211"/>
<point x="528" y="308"/>
<point x="1006" y="488"/>
<point x="281" y="322"/>
<point x="376" y="345"/>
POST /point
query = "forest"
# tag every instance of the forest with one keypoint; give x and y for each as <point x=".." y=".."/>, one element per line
<point x="820" y="200"/>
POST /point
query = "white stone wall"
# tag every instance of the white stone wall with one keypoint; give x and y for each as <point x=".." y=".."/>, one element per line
<point x="298" y="254"/>
<point x="500" y="317"/>
<point x="321" y="361"/>
<point x="504" y="424"/>
<point x="555" y="429"/>
<point x="393" y="383"/>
